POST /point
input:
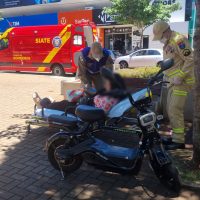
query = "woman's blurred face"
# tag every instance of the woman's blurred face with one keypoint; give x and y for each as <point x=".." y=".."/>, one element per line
<point x="107" y="85"/>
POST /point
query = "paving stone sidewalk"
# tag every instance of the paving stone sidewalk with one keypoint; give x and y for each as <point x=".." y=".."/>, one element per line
<point x="25" y="172"/>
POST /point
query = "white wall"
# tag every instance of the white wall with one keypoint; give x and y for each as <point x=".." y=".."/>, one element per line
<point x="64" y="5"/>
<point x="181" y="27"/>
<point x="179" y="15"/>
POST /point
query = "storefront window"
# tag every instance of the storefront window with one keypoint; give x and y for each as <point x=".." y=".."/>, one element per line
<point x="119" y="39"/>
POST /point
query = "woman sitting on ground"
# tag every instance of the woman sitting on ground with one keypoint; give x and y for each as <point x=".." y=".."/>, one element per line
<point x="105" y="99"/>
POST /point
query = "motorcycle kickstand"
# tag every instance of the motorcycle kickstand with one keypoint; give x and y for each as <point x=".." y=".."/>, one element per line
<point x="61" y="172"/>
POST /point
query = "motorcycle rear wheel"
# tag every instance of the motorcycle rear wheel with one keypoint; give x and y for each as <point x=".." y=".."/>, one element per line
<point x="70" y="165"/>
<point x="168" y="176"/>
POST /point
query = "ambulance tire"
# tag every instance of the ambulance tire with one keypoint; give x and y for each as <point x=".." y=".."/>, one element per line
<point x="57" y="70"/>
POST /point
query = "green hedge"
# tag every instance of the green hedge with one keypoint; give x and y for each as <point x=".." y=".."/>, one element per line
<point x="140" y="72"/>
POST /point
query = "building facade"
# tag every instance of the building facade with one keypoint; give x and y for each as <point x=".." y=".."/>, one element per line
<point x="122" y="38"/>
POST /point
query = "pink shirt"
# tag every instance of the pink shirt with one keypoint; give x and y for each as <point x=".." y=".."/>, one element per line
<point x="105" y="102"/>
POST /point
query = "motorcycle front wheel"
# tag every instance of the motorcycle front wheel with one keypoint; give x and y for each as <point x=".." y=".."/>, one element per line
<point x="70" y="165"/>
<point x="168" y="175"/>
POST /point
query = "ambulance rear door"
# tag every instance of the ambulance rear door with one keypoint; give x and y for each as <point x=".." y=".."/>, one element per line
<point x="78" y="43"/>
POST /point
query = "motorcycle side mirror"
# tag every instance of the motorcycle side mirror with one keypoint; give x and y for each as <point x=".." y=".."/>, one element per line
<point x="166" y="64"/>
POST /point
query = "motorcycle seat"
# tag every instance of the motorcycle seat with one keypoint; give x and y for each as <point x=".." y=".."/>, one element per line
<point x="66" y="120"/>
<point x="90" y="113"/>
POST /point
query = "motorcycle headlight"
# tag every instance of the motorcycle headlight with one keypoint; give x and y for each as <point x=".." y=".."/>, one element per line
<point x="148" y="119"/>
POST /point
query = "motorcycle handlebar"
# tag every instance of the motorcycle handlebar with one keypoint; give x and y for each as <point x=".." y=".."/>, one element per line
<point x="160" y="82"/>
<point x="151" y="83"/>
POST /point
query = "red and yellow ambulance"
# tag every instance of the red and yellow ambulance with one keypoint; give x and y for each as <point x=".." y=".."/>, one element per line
<point x="45" y="48"/>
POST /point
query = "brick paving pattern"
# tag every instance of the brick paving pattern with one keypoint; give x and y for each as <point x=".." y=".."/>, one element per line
<point x="25" y="172"/>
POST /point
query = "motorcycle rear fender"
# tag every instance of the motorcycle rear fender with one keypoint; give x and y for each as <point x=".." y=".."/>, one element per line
<point x="60" y="135"/>
<point x="82" y="147"/>
<point x="161" y="156"/>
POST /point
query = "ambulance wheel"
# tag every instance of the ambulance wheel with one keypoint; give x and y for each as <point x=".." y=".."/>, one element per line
<point x="58" y="70"/>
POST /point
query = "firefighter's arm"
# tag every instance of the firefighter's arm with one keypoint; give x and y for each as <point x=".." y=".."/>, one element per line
<point x="186" y="54"/>
<point x="82" y="70"/>
<point x="109" y="63"/>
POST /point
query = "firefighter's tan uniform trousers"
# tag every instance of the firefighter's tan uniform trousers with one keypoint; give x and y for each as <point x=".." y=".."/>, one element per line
<point x="181" y="78"/>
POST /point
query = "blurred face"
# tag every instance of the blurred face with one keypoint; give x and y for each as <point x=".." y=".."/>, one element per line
<point x="166" y="36"/>
<point x="107" y="85"/>
<point x="97" y="53"/>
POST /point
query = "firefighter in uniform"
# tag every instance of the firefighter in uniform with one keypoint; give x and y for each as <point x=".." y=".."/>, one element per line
<point x="180" y="76"/>
<point x="92" y="59"/>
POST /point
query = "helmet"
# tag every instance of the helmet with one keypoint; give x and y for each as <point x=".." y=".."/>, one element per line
<point x="159" y="28"/>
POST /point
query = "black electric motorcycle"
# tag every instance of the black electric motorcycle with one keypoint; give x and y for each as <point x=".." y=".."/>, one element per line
<point x="67" y="150"/>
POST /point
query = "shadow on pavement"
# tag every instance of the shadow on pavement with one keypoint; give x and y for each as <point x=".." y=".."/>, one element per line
<point x="26" y="174"/>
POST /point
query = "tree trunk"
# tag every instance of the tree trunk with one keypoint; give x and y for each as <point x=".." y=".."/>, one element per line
<point x="196" y="126"/>
<point x="141" y="38"/>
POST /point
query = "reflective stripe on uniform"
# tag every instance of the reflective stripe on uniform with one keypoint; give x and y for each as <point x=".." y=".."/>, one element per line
<point x="190" y="80"/>
<point x="176" y="72"/>
<point x="178" y="130"/>
<point x="179" y="93"/>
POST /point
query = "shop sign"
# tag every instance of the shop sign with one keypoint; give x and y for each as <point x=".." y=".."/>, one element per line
<point x="177" y="16"/>
<point x="74" y="17"/>
<point x="165" y="2"/>
<point x="18" y="3"/>
<point x="118" y="30"/>
<point x="32" y="20"/>
<point x="100" y="18"/>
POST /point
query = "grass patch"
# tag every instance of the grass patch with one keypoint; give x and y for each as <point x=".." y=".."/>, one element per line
<point x="179" y="158"/>
<point x="140" y="72"/>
